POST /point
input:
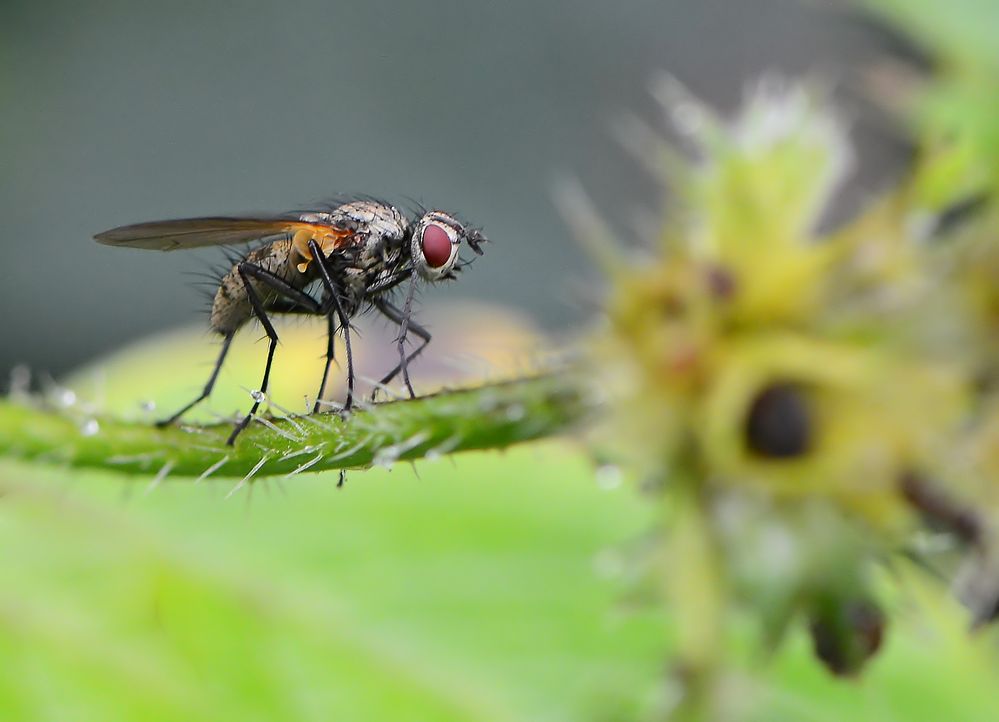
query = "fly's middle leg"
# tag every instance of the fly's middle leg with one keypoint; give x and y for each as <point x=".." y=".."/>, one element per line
<point x="246" y="272"/>
<point x="330" y="357"/>
<point x="335" y="306"/>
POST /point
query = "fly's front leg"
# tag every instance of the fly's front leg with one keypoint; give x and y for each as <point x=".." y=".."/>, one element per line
<point x="335" y="306"/>
<point x="246" y="272"/>
<point x="405" y="324"/>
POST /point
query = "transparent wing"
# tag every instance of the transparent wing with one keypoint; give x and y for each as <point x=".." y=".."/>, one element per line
<point x="214" y="231"/>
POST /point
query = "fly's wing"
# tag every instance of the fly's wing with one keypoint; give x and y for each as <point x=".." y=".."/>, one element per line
<point x="218" y="231"/>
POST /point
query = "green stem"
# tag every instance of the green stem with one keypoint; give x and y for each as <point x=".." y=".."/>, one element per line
<point x="487" y="417"/>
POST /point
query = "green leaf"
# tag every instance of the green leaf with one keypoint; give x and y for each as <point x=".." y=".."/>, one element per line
<point x="469" y="594"/>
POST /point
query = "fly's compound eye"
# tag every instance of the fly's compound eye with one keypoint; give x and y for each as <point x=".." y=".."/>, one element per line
<point x="436" y="246"/>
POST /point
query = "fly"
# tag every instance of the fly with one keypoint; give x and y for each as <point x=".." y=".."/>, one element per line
<point x="354" y="254"/>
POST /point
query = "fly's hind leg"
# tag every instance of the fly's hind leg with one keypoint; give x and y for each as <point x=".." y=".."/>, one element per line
<point x="246" y="272"/>
<point x="226" y="342"/>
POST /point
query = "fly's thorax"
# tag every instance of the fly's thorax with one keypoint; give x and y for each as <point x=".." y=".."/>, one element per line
<point x="376" y="221"/>
<point x="367" y="268"/>
<point x="231" y="307"/>
<point x="361" y="232"/>
<point x="380" y="233"/>
<point x="377" y="249"/>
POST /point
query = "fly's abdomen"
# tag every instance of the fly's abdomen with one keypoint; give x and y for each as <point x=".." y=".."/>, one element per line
<point x="231" y="307"/>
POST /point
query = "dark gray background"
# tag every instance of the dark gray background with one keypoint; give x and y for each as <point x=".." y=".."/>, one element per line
<point x="118" y="111"/>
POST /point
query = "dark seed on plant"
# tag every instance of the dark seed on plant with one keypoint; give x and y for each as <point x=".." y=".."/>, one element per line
<point x="845" y="636"/>
<point x="778" y="425"/>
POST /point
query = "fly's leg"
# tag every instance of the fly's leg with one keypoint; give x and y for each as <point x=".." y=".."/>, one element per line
<point x="405" y="324"/>
<point x="331" y="329"/>
<point x="330" y="355"/>
<point x="335" y="306"/>
<point x="246" y="272"/>
<point x="407" y="311"/>
<point x="226" y="342"/>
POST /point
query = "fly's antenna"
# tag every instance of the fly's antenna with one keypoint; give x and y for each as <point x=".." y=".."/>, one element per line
<point x="475" y="239"/>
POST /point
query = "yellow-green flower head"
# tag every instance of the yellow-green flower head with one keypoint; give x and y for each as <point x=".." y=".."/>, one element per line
<point x="754" y="358"/>
<point x="739" y="320"/>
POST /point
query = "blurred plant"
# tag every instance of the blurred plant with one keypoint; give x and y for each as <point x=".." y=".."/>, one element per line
<point x="808" y="404"/>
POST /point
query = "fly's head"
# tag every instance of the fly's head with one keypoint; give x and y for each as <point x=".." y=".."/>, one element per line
<point x="437" y="238"/>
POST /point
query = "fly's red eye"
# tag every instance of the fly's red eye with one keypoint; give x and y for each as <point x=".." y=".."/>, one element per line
<point x="436" y="245"/>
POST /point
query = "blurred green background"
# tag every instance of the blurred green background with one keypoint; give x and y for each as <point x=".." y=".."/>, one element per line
<point x="491" y="589"/>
